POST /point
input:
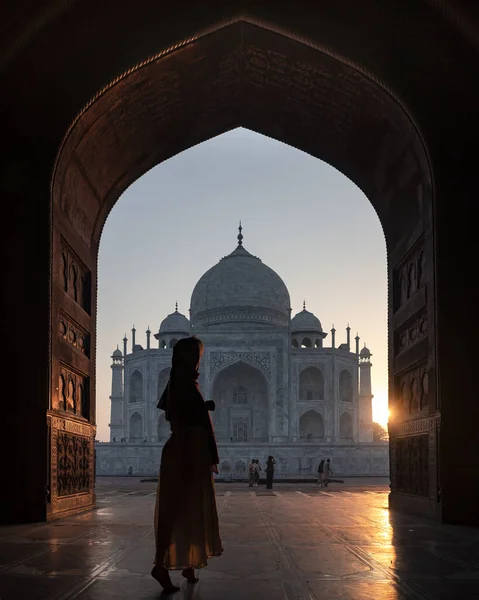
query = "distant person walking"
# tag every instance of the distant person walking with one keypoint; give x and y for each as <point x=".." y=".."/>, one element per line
<point x="327" y="472"/>
<point x="257" y="470"/>
<point x="321" y="474"/>
<point x="251" y="473"/>
<point x="270" y="472"/>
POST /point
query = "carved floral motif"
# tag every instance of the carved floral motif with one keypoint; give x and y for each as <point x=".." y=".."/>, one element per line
<point x="411" y="334"/>
<point x="75" y="335"/>
<point x="218" y="360"/>
<point x="412" y="464"/>
<point x="73" y="464"/>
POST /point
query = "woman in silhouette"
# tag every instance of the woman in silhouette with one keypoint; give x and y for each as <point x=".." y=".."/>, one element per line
<point x="270" y="472"/>
<point x="186" y="520"/>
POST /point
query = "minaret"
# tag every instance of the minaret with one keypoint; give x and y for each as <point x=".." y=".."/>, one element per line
<point x="148" y="335"/>
<point x="133" y="336"/>
<point x="116" y="398"/>
<point x="365" y="396"/>
<point x="333" y="337"/>
<point x="357" y="344"/>
<point x="348" y="337"/>
<point x="125" y="346"/>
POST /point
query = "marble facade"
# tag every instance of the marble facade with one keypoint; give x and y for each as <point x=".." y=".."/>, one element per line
<point x="278" y="390"/>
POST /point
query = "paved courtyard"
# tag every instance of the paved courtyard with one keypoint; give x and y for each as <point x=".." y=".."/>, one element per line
<point x="295" y="543"/>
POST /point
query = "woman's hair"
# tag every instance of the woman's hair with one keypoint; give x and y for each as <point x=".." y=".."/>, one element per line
<point x="270" y="458"/>
<point x="187" y="353"/>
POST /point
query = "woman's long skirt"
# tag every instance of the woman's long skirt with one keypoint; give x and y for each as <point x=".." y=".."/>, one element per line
<point x="186" y="519"/>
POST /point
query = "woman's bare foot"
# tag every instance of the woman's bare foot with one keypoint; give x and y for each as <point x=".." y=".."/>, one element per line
<point x="163" y="578"/>
<point x="189" y="575"/>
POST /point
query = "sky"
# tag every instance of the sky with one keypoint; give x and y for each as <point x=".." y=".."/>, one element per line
<point x="302" y="217"/>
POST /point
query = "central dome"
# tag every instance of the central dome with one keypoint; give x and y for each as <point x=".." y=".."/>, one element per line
<point x="240" y="288"/>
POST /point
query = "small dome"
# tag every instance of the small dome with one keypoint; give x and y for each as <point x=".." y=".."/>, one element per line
<point x="365" y="352"/>
<point x="305" y="321"/>
<point x="175" y="323"/>
<point x="117" y="353"/>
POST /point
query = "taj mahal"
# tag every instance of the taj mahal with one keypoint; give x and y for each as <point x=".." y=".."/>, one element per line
<point x="278" y="388"/>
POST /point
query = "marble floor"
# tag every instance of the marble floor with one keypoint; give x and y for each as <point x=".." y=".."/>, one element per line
<point x="297" y="542"/>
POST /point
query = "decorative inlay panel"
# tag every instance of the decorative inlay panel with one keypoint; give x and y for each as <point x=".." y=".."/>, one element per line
<point x="73" y="392"/>
<point x="241" y="315"/>
<point x="75" y="277"/>
<point x="412" y="464"/>
<point x="218" y="360"/>
<point x="412" y="390"/>
<point x="73" y="464"/>
<point x="409" y="276"/>
<point x="411" y="333"/>
<point x="74" y="334"/>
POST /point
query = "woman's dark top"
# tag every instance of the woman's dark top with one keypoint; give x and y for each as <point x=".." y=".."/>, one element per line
<point x="270" y="465"/>
<point x="185" y="407"/>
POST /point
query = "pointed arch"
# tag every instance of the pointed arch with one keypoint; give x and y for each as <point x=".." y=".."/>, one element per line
<point x="136" y="387"/>
<point x="136" y="427"/>
<point x="311" y="384"/>
<point x="345" y="386"/>
<point x="311" y="426"/>
<point x="346" y="430"/>
<point x="161" y="382"/>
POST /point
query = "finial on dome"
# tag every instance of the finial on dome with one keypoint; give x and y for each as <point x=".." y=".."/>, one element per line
<point x="240" y="235"/>
<point x="176" y="306"/>
<point x="304" y="304"/>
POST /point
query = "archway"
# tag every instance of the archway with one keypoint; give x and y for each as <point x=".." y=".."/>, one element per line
<point x="346" y="386"/>
<point x="136" y="427"/>
<point x="242" y="408"/>
<point x="275" y="74"/>
<point x="311" y="384"/>
<point x="311" y="426"/>
<point x="135" y="387"/>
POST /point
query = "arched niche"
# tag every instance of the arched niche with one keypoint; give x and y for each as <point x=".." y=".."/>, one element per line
<point x="136" y="428"/>
<point x="136" y="387"/>
<point x="311" y="426"/>
<point x="161" y="382"/>
<point x="306" y="343"/>
<point x="346" y="429"/>
<point x="240" y="392"/>
<point x="311" y="384"/>
<point x="173" y="342"/>
<point x="346" y="386"/>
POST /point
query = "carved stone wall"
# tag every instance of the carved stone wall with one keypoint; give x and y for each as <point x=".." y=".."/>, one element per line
<point x="409" y="276"/>
<point x="75" y="277"/>
<point x="412" y="391"/>
<point x="218" y="360"/>
<point x="74" y="334"/>
<point x="73" y="392"/>
<point x="412" y="465"/>
<point x="72" y="464"/>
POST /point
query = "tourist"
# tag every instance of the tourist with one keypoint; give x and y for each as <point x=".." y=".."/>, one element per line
<point x="270" y="472"/>
<point x="257" y="470"/>
<point x="321" y="474"/>
<point x="251" y="472"/>
<point x="327" y="472"/>
<point x="186" y="519"/>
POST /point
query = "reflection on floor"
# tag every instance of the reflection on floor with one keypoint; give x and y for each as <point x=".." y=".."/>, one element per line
<point x="297" y="542"/>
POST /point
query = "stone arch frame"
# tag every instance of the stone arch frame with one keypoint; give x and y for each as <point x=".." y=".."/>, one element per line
<point x="135" y="426"/>
<point x="320" y="422"/>
<point x="307" y="342"/>
<point x="346" y="385"/>
<point x="82" y="226"/>
<point x="136" y="388"/>
<point x="161" y="378"/>
<point x="294" y="343"/>
<point x="252" y="425"/>
<point x="346" y="426"/>
<point x="172" y="343"/>
<point x="303" y="369"/>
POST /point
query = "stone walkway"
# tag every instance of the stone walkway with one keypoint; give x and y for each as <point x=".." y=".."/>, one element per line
<point x="295" y="543"/>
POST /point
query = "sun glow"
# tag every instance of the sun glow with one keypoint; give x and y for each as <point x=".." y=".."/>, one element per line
<point x="380" y="408"/>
